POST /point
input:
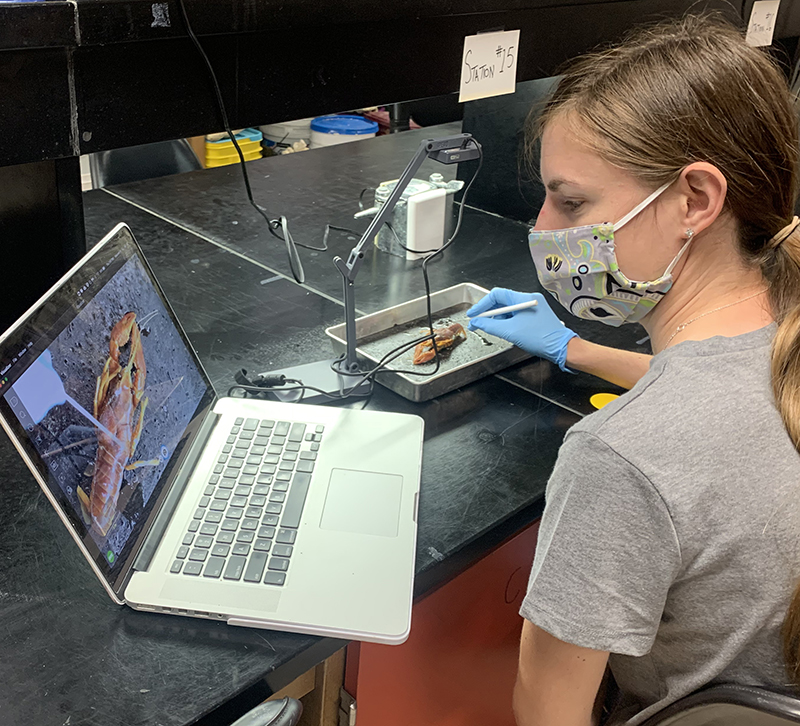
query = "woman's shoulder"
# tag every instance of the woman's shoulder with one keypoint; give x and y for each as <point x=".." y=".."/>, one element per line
<point x="692" y="393"/>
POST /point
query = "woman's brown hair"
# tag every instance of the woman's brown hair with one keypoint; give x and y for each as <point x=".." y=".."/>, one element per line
<point x="693" y="90"/>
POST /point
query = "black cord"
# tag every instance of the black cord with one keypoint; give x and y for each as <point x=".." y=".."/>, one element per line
<point x="302" y="387"/>
<point x="396" y="352"/>
<point x="288" y="237"/>
<point x="346" y="230"/>
<point x="361" y="197"/>
<point x="393" y="354"/>
<point x="400" y="244"/>
<point x="430" y="336"/>
<point x="291" y="245"/>
<point x="269" y="383"/>
<point x="295" y="264"/>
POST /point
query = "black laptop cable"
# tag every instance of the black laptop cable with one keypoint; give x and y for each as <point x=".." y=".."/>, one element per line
<point x="261" y="386"/>
<point x="268" y="384"/>
<point x="429" y="255"/>
<point x="278" y="228"/>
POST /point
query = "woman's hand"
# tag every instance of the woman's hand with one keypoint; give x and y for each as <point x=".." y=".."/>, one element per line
<point x="536" y="330"/>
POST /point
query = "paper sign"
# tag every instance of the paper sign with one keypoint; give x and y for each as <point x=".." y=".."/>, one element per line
<point x="489" y="65"/>
<point x="762" y="22"/>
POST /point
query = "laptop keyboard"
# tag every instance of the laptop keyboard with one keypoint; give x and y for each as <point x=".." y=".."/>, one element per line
<point x="245" y="526"/>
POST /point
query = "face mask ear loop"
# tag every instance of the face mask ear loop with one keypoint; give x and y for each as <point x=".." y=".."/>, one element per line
<point x="671" y="266"/>
<point x="639" y="207"/>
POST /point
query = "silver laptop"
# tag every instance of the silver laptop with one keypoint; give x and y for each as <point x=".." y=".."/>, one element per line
<point x="263" y="514"/>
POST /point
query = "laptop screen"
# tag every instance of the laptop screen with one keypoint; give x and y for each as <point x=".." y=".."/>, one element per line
<point x="101" y="389"/>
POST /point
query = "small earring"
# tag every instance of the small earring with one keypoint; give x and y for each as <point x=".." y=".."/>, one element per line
<point x="689" y="234"/>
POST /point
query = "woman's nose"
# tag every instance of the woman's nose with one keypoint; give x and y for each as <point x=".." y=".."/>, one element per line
<point x="541" y="221"/>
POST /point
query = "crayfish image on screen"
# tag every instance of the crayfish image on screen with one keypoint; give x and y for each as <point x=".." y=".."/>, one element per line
<point x="110" y="399"/>
<point x="119" y="404"/>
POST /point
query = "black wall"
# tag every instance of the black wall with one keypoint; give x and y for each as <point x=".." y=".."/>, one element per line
<point x="506" y="185"/>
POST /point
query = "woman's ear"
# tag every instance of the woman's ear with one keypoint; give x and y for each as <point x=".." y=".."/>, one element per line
<point x="702" y="187"/>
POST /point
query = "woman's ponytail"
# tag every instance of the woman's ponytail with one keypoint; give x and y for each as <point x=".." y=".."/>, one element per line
<point x="780" y="264"/>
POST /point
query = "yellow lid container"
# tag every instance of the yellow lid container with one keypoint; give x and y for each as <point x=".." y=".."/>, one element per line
<point x="233" y="158"/>
<point x="221" y="152"/>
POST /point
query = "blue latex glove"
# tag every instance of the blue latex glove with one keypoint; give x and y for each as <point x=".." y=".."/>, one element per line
<point x="536" y="330"/>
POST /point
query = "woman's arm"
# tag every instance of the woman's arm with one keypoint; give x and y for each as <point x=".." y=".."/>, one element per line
<point x="538" y="331"/>
<point x="557" y="682"/>
<point x="620" y="367"/>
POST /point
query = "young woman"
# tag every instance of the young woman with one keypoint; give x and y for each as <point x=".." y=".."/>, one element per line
<point x="669" y="549"/>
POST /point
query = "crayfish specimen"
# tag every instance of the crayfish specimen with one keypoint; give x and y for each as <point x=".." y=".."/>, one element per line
<point x="446" y="337"/>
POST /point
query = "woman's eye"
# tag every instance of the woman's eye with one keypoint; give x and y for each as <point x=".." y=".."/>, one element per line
<point x="573" y="205"/>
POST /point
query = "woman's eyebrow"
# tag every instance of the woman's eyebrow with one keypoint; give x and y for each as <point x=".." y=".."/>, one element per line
<point x="555" y="184"/>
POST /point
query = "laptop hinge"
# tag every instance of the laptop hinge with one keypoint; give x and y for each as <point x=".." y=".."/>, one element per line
<point x="175" y="493"/>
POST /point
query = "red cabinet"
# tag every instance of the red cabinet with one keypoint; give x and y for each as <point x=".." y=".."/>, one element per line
<point x="459" y="664"/>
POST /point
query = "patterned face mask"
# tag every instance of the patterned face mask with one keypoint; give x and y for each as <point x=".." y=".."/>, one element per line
<point x="579" y="267"/>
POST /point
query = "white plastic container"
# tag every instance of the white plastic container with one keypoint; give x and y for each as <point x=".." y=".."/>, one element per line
<point x="332" y="130"/>
<point x="287" y="133"/>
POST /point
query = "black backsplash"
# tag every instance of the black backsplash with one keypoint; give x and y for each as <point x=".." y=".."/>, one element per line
<point x="505" y="186"/>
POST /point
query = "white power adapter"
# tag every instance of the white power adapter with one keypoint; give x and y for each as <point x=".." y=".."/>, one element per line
<point x="425" y="222"/>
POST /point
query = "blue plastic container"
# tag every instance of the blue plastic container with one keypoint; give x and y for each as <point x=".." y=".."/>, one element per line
<point x="331" y="130"/>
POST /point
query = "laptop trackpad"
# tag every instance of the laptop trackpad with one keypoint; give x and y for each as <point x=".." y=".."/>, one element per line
<point x="363" y="502"/>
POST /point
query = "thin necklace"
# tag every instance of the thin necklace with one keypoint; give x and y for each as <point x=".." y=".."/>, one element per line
<point x="682" y="326"/>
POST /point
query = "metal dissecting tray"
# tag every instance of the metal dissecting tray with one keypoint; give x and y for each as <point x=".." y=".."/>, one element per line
<point x="478" y="356"/>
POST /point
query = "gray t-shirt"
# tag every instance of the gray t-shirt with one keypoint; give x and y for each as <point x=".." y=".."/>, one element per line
<point x="671" y="534"/>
